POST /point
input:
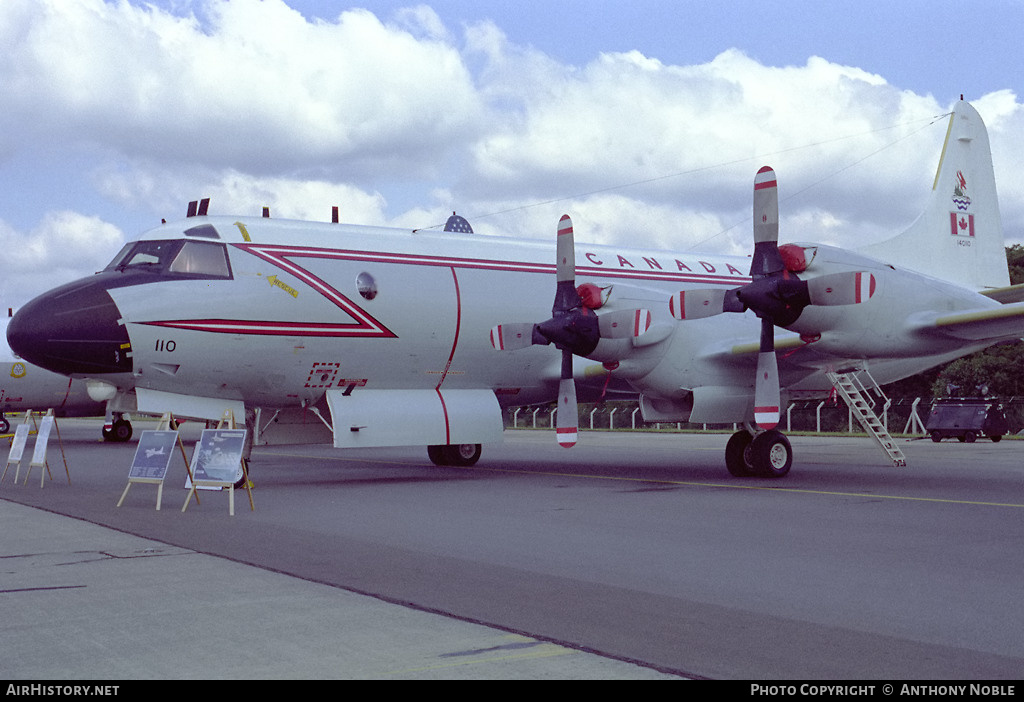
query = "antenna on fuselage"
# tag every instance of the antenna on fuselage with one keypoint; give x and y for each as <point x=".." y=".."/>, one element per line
<point x="198" y="208"/>
<point x="459" y="224"/>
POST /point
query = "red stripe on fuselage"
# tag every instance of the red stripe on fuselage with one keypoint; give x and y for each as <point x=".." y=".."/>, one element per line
<point x="364" y="324"/>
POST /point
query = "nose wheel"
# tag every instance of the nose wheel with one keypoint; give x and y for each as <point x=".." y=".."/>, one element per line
<point x="119" y="432"/>
<point x="766" y="455"/>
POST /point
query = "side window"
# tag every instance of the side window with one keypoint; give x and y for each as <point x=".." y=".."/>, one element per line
<point x="203" y="259"/>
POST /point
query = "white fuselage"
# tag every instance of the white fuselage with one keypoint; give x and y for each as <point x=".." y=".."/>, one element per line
<point x="292" y="323"/>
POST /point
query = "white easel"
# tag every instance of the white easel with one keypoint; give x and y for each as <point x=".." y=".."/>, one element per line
<point x="20" y="440"/>
<point x="227" y="421"/>
<point x="18" y="447"/>
<point x="155" y="476"/>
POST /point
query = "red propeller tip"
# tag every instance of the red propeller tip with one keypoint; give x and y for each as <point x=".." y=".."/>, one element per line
<point x="567" y="436"/>
<point x="766" y="417"/>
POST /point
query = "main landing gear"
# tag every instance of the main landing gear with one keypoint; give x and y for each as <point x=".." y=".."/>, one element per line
<point x="462" y="455"/>
<point x="764" y="455"/>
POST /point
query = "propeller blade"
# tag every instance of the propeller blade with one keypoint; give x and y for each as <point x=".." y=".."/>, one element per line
<point x="568" y="415"/>
<point x="766" y="391"/>
<point x="766" y="259"/>
<point x="567" y="424"/>
<point x="565" y="251"/>
<point x="566" y="297"/>
<point x="767" y="396"/>
<point x="623" y="324"/>
<point x="697" y="304"/>
<point x="509" y="337"/>
<point x="841" y="288"/>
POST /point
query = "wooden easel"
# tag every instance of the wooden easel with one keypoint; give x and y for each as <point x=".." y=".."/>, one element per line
<point x="166" y="422"/>
<point x="227" y="421"/>
<point x="18" y="447"/>
<point x="39" y="450"/>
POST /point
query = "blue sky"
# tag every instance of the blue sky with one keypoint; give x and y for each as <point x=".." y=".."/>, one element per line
<point x="114" y="114"/>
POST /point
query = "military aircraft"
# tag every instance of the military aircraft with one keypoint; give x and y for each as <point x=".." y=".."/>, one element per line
<point x="370" y="336"/>
<point x="26" y="387"/>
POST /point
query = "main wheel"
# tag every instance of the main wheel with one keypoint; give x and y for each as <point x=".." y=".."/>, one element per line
<point x="454" y="454"/>
<point x="770" y="454"/>
<point x="737" y="454"/>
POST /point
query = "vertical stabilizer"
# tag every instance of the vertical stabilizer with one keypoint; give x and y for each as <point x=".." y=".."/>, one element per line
<point x="959" y="236"/>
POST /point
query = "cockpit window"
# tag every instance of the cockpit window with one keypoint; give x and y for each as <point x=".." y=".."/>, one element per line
<point x="175" y="258"/>
<point x="202" y="258"/>
<point x="204" y="230"/>
<point x="146" y="254"/>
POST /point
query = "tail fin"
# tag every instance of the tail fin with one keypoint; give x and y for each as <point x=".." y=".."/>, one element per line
<point x="959" y="236"/>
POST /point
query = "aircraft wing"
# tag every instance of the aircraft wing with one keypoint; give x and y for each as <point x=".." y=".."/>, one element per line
<point x="1005" y="322"/>
<point x="783" y="344"/>
<point x="987" y="324"/>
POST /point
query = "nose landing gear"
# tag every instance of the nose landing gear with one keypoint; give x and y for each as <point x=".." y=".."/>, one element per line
<point x="120" y="430"/>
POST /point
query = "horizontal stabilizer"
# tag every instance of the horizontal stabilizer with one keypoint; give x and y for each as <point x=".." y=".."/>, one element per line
<point x="990" y="324"/>
<point x="1007" y="295"/>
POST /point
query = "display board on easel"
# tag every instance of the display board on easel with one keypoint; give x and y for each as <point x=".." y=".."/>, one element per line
<point x="153" y="458"/>
<point x="21" y="434"/>
<point x="18" y="447"/>
<point x="39" y="450"/>
<point x="216" y="460"/>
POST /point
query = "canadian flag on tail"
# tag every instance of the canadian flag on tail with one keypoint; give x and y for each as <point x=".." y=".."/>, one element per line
<point x="961" y="224"/>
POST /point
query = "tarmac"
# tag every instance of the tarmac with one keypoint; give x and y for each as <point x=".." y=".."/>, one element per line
<point x="635" y="556"/>
<point x="84" y="602"/>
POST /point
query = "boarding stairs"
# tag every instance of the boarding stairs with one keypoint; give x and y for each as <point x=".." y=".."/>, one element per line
<point x="856" y="393"/>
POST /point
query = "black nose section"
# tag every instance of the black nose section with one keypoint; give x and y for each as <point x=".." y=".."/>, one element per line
<point x="72" y="330"/>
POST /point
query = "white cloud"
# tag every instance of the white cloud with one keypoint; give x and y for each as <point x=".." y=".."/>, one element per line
<point x="259" y="87"/>
<point x="626" y="118"/>
<point x="401" y="120"/>
<point x="64" y="245"/>
<point x="235" y="192"/>
<point x="1004" y="116"/>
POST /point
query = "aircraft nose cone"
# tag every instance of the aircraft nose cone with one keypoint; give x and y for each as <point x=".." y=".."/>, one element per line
<point x="72" y="330"/>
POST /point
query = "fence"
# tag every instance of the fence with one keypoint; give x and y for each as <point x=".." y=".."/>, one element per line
<point x="802" y="416"/>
